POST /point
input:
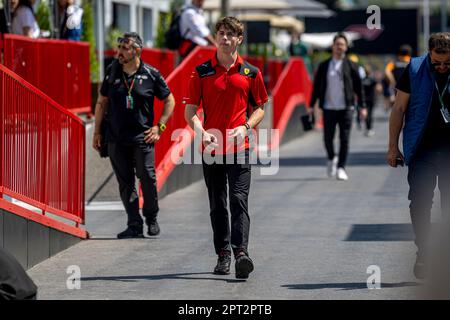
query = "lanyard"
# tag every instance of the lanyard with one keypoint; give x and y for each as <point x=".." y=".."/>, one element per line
<point x="441" y="94"/>
<point x="129" y="88"/>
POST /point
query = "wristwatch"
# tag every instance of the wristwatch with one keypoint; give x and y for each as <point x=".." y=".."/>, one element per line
<point x="162" y="127"/>
<point x="247" y="126"/>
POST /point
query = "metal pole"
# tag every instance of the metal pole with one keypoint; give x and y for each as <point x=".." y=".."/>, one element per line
<point x="225" y="8"/>
<point x="426" y="24"/>
<point x="444" y="13"/>
<point x="101" y="37"/>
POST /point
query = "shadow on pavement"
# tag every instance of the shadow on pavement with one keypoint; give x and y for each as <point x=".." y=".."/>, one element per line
<point x="176" y="276"/>
<point x="347" y="286"/>
<point x="381" y="232"/>
<point x="354" y="159"/>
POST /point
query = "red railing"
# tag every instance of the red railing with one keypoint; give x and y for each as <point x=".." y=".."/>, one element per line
<point x="59" y="68"/>
<point x="42" y="156"/>
<point x="161" y="59"/>
<point x="293" y="88"/>
<point x="257" y="62"/>
<point x="275" y="68"/>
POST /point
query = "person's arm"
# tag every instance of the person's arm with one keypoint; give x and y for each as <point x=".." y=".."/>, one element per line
<point x="192" y="119"/>
<point x="153" y="134"/>
<point x="27" y="32"/>
<point x="389" y="75"/>
<point x="100" y="110"/>
<point x="396" y="126"/>
<point x="241" y="131"/>
<point x="316" y="87"/>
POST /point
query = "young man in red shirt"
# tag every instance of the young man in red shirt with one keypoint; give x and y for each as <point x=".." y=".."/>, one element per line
<point x="232" y="94"/>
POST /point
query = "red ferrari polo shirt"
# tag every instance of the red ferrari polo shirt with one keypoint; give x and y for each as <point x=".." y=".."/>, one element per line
<point x="226" y="97"/>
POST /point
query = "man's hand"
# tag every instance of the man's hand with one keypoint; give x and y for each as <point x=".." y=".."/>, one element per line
<point x="392" y="156"/>
<point x="152" y="135"/>
<point x="97" y="141"/>
<point x="209" y="141"/>
<point x="363" y="113"/>
<point x="238" y="134"/>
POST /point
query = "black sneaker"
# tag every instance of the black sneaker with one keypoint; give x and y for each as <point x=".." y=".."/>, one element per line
<point x="420" y="269"/>
<point x="243" y="265"/>
<point x="153" y="228"/>
<point x="131" y="232"/>
<point x="223" y="263"/>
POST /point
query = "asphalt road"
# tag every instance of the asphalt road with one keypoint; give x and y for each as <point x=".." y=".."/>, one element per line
<point x="311" y="237"/>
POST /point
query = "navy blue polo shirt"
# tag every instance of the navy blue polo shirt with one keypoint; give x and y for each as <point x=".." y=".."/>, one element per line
<point x="128" y="125"/>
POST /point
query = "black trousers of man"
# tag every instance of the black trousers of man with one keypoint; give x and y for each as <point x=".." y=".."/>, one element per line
<point x="343" y="119"/>
<point x="125" y="159"/>
<point x="237" y="176"/>
<point x="426" y="170"/>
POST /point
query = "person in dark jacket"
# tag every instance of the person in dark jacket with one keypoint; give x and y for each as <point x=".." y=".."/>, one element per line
<point x="369" y="86"/>
<point x="15" y="284"/>
<point x="336" y="84"/>
<point x="421" y="111"/>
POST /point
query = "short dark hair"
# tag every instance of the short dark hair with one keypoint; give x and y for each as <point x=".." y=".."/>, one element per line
<point x="340" y="35"/>
<point x="135" y="36"/>
<point x="231" y="23"/>
<point x="439" y="42"/>
<point x="405" y="50"/>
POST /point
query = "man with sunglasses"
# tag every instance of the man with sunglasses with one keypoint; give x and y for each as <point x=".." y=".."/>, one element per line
<point x="127" y="94"/>
<point x="422" y="104"/>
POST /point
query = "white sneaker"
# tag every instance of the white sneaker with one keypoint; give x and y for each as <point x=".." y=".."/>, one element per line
<point x="332" y="167"/>
<point x="370" y="133"/>
<point x="341" y="174"/>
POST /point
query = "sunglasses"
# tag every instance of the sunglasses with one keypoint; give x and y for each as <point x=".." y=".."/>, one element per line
<point x="437" y="64"/>
<point x="127" y="41"/>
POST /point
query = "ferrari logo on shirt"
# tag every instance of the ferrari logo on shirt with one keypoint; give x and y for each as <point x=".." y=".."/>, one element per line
<point x="246" y="71"/>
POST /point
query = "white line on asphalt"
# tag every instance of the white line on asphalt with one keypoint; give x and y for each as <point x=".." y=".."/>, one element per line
<point x="105" y="206"/>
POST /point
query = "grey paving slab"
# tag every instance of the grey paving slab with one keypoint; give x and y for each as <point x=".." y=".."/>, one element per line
<point x="311" y="237"/>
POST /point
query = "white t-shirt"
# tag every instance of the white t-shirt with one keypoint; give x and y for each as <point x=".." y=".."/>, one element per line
<point x="193" y="25"/>
<point x="24" y="17"/>
<point x="335" y="96"/>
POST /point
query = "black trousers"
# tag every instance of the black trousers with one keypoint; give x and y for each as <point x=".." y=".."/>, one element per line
<point x="139" y="159"/>
<point x="237" y="176"/>
<point x="343" y="119"/>
<point x="426" y="170"/>
<point x="369" y="119"/>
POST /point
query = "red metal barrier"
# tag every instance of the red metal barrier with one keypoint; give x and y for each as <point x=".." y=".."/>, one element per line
<point x="42" y="155"/>
<point x="293" y="87"/>
<point x="59" y="68"/>
<point x="275" y="68"/>
<point x="161" y="59"/>
<point x="257" y="62"/>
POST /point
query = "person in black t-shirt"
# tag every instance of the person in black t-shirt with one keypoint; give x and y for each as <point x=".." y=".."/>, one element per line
<point x="422" y="104"/>
<point x="369" y="85"/>
<point x="128" y="93"/>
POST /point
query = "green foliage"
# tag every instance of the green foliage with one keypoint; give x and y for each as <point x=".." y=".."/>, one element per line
<point x="163" y="26"/>
<point x="89" y="36"/>
<point x="43" y="16"/>
<point x="111" y="37"/>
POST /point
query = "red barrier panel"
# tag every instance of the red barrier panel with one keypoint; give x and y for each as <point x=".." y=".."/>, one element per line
<point x="257" y="62"/>
<point x="42" y="155"/>
<point x="275" y="68"/>
<point x="161" y="59"/>
<point x="59" y="68"/>
<point x="293" y="87"/>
